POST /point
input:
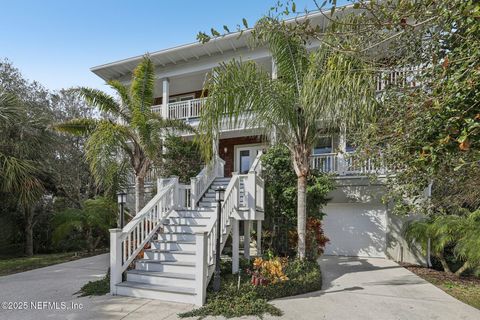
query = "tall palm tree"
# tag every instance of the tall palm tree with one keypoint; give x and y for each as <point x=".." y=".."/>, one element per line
<point x="315" y="92"/>
<point x="130" y="132"/>
<point x="21" y="169"/>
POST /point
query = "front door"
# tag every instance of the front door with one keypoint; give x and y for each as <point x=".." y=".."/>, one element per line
<point x="244" y="157"/>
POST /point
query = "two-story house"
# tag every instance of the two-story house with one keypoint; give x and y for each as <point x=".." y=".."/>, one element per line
<point x="180" y="221"/>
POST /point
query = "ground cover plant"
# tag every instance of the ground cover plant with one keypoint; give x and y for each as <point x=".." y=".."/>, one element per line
<point x="239" y="296"/>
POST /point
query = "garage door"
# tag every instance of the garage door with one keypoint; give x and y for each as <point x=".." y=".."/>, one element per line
<point x="355" y="229"/>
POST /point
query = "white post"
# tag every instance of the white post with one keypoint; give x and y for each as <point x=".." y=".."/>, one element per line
<point x="342" y="146"/>
<point x="165" y="97"/>
<point x="259" y="237"/>
<point x="175" y="199"/>
<point x="246" y="239"/>
<point x="215" y="145"/>
<point x="193" y="192"/>
<point x="235" y="246"/>
<point x="250" y="193"/>
<point x="115" y="259"/>
<point x="201" y="242"/>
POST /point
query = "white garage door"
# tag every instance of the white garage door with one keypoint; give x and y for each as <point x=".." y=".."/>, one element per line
<point x="355" y="229"/>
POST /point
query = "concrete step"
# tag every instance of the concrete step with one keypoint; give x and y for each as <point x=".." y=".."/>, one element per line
<point x="184" y="228"/>
<point x="170" y="255"/>
<point x="188" y="220"/>
<point x="176" y="236"/>
<point x="191" y="214"/>
<point x="165" y="266"/>
<point x="159" y="292"/>
<point x="174" y="245"/>
<point x="207" y="204"/>
<point x="184" y="280"/>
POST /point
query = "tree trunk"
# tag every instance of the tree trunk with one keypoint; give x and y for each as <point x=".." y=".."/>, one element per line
<point x="301" y="215"/>
<point x="444" y="263"/>
<point x="28" y="213"/>
<point x="462" y="269"/>
<point x="139" y="193"/>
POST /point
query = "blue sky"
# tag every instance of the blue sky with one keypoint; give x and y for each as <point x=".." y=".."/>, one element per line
<point x="57" y="41"/>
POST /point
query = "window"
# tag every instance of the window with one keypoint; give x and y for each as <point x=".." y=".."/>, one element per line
<point x="324" y="145"/>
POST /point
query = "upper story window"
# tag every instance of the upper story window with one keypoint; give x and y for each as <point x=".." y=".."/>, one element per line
<point x="324" y="145"/>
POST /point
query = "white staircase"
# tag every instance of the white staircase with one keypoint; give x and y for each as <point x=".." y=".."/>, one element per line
<point x="167" y="270"/>
<point x="177" y="232"/>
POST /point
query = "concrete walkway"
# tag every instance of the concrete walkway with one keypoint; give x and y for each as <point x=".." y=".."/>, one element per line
<point x="354" y="288"/>
<point x="58" y="283"/>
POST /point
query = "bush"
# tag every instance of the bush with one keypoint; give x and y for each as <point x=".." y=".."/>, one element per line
<point x="182" y="159"/>
<point x="281" y="204"/>
<point x="236" y="301"/>
<point x="96" y="288"/>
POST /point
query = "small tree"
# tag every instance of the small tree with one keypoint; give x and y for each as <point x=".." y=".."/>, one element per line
<point x="461" y="232"/>
<point x="281" y="199"/>
<point x="92" y="222"/>
<point x="182" y="158"/>
<point x="129" y="135"/>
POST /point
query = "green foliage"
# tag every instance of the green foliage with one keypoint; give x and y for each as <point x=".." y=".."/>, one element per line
<point x="281" y="197"/>
<point x="231" y="301"/>
<point x="182" y="158"/>
<point x="134" y="141"/>
<point x="96" y="288"/>
<point x="444" y="231"/>
<point x="91" y="222"/>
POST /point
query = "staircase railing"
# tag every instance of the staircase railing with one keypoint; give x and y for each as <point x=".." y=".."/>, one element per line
<point x="127" y="243"/>
<point x="206" y="240"/>
<point x="201" y="183"/>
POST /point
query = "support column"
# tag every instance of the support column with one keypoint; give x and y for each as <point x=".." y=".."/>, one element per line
<point x="342" y="147"/>
<point x="215" y="145"/>
<point x="246" y="239"/>
<point x="165" y="97"/>
<point x="235" y="246"/>
<point x="259" y="237"/>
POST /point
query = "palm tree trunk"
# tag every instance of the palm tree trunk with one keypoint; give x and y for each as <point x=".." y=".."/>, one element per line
<point x="444" y="263"/>
<point x="462" y="269"/>
<point x="28" y="212"/>
<point x="139" y="193"/>
<point x="301" y="215"/>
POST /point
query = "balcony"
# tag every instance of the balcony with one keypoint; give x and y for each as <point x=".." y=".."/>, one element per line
<point x="345" y="164"/>
<point x="186" y="110"/>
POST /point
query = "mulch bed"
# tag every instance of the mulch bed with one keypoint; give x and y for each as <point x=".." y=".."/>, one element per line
<point x="440" y="276"/>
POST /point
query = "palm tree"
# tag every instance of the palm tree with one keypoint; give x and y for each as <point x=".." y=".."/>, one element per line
<point x="129" y="133"/>
<point x="462" y="232"/>
<point x="92" y="221"/>
<point x="20" y="171"/>
<point x="323" y="89"/>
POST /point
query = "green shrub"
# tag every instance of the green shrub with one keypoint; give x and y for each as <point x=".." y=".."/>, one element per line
<point x="281" y="201"/>
<point x="96" y="288"/>
<point x="244" y="300"/>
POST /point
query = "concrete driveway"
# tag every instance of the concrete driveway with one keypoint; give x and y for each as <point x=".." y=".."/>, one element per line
<point x="356" y="288"/>
<point x="57" y="284"/>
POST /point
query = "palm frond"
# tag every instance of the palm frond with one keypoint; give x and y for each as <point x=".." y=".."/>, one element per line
<point x="141" y="89"/>
<point x="99" y="99"/>
<point x="77" y="127"/>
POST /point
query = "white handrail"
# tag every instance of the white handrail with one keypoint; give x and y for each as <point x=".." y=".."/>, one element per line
<point x="201" y="183"/>
<point x="126" y="243"/>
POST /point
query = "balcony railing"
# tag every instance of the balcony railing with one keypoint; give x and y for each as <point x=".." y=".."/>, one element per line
<point x="406" y="77"/>
<point x="186" y="110"/>
<point x="345" y="164"/>
<point x="190" y="109"/>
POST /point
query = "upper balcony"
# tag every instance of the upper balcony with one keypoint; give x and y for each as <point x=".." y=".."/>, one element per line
<point x="188" y="108"/>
